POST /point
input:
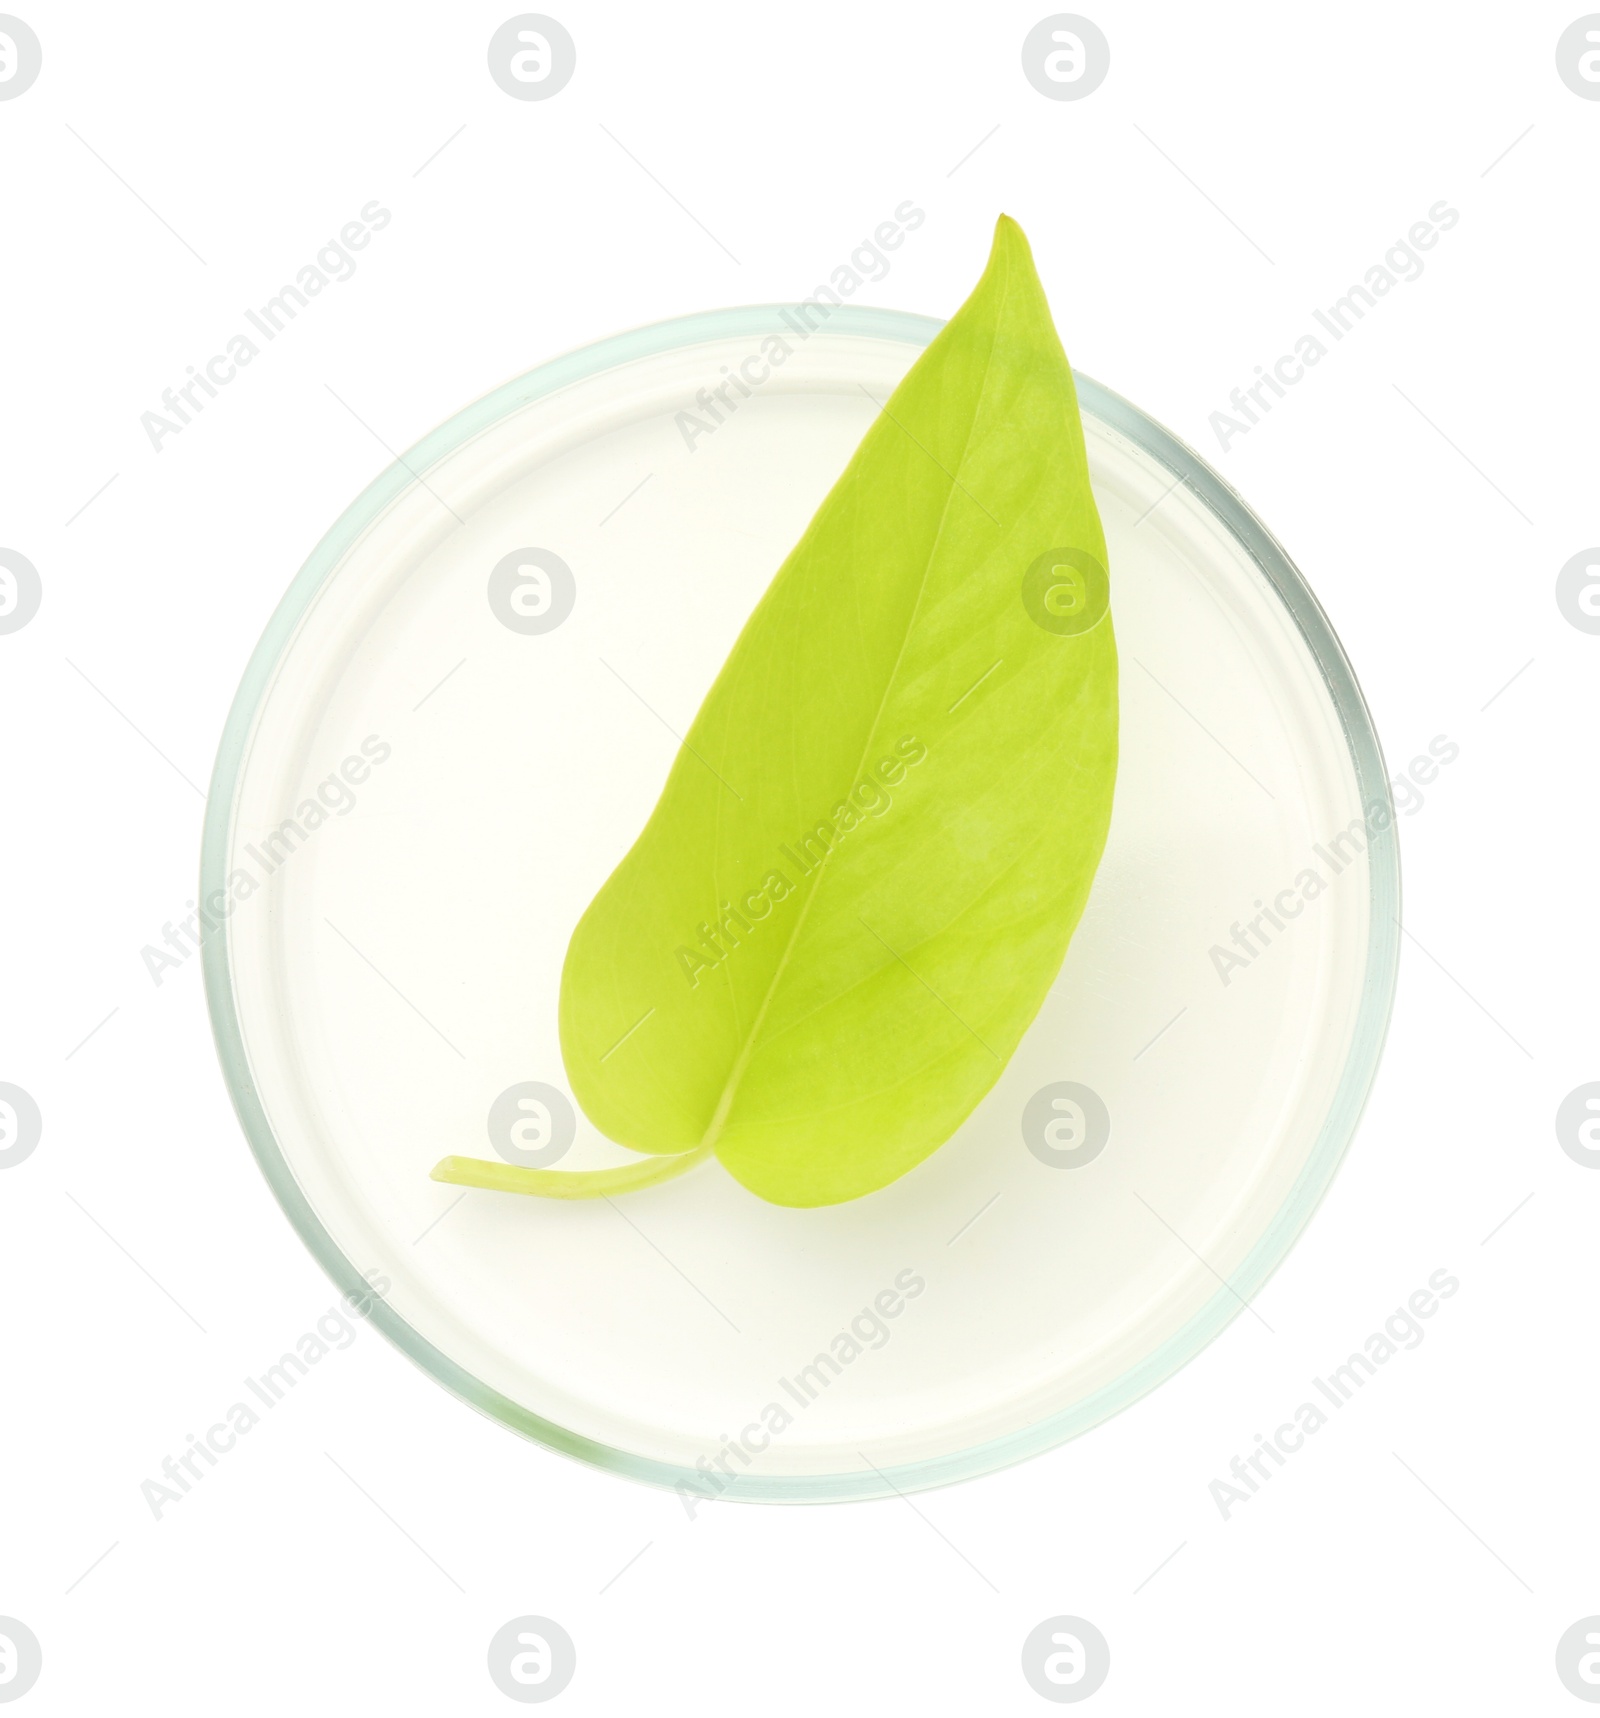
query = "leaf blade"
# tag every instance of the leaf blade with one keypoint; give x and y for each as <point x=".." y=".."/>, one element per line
<point x="843" y="945"/>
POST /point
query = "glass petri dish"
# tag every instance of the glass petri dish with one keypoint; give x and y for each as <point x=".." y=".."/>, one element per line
<point x="423" y="781"/>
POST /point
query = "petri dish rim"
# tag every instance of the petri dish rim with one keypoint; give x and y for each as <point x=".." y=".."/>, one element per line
<point x="1338" y="1126"/>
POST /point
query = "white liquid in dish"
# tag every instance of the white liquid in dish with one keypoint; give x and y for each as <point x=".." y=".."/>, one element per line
<point x="401" y="968"/>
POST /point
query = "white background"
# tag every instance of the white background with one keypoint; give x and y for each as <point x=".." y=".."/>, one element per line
<point x="1363" y="1574"/>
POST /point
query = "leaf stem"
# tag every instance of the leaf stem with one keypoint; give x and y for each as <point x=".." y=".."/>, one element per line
<point x="566" y="1183"/>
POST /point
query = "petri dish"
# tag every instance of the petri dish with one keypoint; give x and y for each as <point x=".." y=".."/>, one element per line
<point x="431" y="766"/>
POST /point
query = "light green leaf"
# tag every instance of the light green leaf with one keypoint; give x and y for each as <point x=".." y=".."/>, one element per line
<point x="862" y="875"/>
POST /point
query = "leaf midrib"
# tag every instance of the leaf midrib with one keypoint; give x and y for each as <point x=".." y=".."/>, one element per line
<point x="730" y="1090"/>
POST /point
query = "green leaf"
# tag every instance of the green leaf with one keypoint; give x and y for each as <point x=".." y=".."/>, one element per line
<point x="860" y="880"/>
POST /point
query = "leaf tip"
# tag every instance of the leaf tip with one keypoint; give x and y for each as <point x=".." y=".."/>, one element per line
<point x="1010" y="254"/>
